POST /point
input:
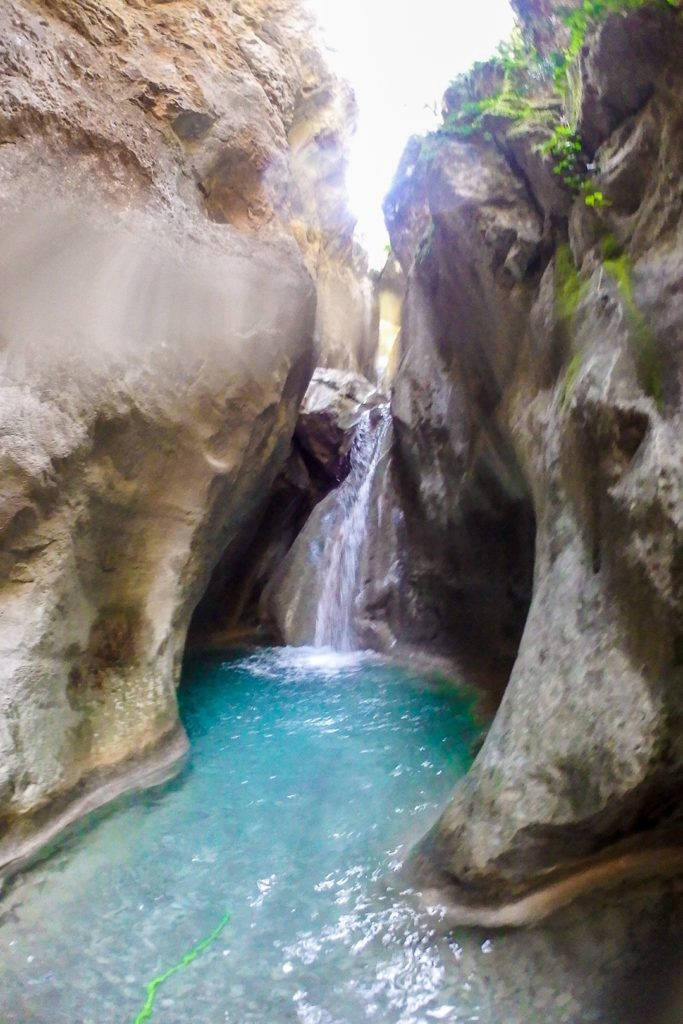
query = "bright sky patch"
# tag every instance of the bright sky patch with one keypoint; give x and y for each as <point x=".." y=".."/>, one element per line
<point x="399" y="58"/>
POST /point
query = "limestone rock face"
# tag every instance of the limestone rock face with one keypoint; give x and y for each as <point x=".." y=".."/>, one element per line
<point x="138" y="443"/>
<point x="225" y="110"/>
<point x="541" y="383"/>
<point x="451" y="572"/>
<point x="171" y="178"/>
<point x="333" y="405"/>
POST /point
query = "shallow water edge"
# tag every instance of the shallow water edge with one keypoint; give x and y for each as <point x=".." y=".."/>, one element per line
<point x="309" y="778"/>
<point x="31" y="841"/>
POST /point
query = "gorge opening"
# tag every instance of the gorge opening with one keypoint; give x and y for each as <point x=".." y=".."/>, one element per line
<point x="352" y="510"/>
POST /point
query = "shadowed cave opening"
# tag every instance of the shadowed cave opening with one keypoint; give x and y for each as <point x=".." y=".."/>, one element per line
<point x="228" y="609"/>
<point x="471" y="567"/>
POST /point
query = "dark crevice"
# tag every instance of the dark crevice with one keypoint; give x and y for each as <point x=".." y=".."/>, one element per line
<point x="230" y="601"/>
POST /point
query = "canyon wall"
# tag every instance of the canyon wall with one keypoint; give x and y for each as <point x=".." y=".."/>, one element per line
<point x="172" y="191"/>
<point x="177" y="255"/>
<point x="538" y="433"/>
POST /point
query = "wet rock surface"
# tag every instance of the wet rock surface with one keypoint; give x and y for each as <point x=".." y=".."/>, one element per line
<point x="540" y="383"/>
<point x="333" y="406"/>
<point x="340" y="417"/>
<point x="316" y="594"/>
<point x="335" y="403"/>
<point x="464" y="534"/>
<point x="614" y="957"/>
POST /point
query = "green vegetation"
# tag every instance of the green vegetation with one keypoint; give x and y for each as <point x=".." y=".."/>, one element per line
<point x="566" y="149"/>
<point x="648" y="362"/>
<point x="519" y="66"/>
<point x="469" y="119"/>
<point x="569" y="288"/>
<point x="522" y="70"/>
<point x="519" y="61"/>
<point x="515" y="74"/>
<point x="570" y="375"/>
<point x="609" y="247"/>
<point x="580" y="20"/>
<point x="595" y="199"/>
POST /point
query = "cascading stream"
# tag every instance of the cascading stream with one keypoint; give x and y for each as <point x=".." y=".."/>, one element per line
<point x="344" y="546"/>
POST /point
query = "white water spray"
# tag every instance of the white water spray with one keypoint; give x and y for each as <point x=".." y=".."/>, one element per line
<point x="344" y="546"/>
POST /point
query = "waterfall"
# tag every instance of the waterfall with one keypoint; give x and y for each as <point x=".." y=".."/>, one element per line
<point x="341" y="557"/>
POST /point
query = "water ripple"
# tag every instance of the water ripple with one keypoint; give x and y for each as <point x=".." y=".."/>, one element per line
<point x="288" y="815"/>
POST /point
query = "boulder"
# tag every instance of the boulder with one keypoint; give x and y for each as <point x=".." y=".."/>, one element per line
<point x="333" y="406"/>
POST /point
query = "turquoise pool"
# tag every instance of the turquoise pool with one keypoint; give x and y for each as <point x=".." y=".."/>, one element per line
<point x="309" y="776"/>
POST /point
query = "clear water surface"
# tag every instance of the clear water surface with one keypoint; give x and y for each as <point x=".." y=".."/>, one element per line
<point x="309" y="776"/>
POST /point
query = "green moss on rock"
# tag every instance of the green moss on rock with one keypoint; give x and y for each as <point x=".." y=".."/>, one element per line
<point x="569" y="288"/>
<point x="569" y="380"/>
<point x="648" y="362"/>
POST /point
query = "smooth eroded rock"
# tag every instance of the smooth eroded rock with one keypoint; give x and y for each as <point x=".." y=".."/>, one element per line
<point x="172" y="192"/>
<point x="149" y="396"/>
<point x="548" y="392"/>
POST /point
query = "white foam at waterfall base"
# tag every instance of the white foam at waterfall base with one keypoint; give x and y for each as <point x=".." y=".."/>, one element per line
<point x="344" y="546"/>
<point x="301" y="661"/>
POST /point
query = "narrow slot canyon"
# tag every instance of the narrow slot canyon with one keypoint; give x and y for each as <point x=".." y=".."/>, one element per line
<point x="341" y="520"/>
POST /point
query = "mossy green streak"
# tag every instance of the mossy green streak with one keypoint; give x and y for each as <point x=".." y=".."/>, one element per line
<point x="523" y="68"/>
<point x="648" y="362"/>
<point x="569" y="288"/>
